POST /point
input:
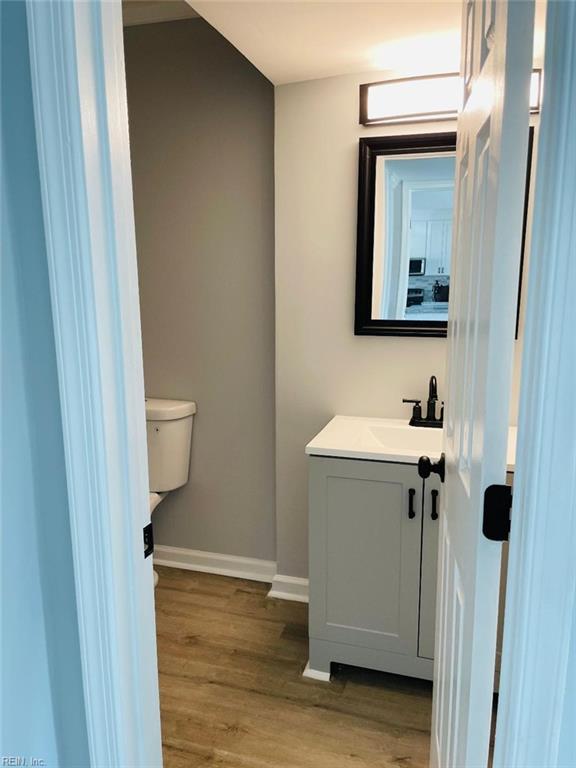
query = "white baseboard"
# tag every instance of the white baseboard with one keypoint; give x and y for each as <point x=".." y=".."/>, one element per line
<point x="253" y="569"/>
<point x="249" y="568"/>
<point x="315" y="674"/>
<point x="289" y="588"/>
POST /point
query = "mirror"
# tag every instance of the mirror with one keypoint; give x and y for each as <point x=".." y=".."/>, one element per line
<point x="405" y="212"/>
<point x="405" y="234"/>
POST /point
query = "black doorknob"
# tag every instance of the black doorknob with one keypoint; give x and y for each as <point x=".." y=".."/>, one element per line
<point x="426" y="467"/>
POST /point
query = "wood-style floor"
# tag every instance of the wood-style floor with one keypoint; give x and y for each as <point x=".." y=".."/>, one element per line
<point x="232" y="692"/>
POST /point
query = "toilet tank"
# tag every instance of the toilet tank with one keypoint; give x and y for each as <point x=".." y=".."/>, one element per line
<point x="169" y="435"/>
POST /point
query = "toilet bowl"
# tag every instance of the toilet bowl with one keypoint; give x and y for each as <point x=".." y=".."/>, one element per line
<point x="155" y="499"/>
<point x="169" y="438"/>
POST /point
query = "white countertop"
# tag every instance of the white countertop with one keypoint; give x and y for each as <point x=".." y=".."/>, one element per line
<point x="359" y="437"/>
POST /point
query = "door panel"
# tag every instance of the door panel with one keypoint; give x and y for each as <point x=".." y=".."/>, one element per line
<point x="366" y="566"/>
<point x="430" y="574"/>
<point x="491" y="167"/>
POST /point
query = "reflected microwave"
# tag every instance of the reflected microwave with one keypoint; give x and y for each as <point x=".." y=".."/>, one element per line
<point x="417" y="267"/>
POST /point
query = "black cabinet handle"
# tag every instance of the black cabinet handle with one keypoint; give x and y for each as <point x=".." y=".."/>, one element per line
<point x="411" y="511"/>
<point x="434" y="513"/>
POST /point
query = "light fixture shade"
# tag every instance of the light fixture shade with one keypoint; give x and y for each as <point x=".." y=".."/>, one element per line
<point x="411" y="99"/>
<point x="422" y="99"/>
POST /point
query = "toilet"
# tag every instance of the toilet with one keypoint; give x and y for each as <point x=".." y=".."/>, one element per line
<point x="169" y="437"/>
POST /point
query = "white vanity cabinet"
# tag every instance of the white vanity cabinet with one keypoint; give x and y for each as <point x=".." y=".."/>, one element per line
<point x="373" y="545"/>
<point x="368" y="562"/>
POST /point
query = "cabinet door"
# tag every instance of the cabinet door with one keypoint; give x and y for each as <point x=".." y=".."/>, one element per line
<point x="430" y="512"/>
<point x="365" y="553"/>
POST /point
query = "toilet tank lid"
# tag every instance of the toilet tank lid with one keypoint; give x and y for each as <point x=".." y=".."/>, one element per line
<point x="158" y="409"/>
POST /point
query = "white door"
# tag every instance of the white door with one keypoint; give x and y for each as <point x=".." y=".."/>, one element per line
<point x="490" y="176"/>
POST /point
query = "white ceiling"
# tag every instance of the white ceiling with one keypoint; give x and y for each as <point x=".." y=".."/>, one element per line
<point x="293" y="41"/>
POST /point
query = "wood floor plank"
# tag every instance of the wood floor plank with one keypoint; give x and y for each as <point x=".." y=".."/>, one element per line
<point x="232" y="692"/>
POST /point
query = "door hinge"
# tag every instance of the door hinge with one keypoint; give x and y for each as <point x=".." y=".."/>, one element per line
<point x="497" y="508"/>
<point x="148" y="540"/>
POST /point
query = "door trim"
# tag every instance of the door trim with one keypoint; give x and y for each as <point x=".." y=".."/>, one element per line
<point x="541" y="592"/>
<point x="79" y="92"/>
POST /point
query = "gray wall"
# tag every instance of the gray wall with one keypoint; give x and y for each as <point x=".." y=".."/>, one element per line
<point x="202" y="137"/>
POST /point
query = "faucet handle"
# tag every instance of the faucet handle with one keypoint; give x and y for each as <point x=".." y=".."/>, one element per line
<point x="416" y="410"/>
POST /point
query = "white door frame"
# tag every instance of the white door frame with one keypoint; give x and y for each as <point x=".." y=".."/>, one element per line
<point x="79" y="91"/>
<point x="535" y="696"/>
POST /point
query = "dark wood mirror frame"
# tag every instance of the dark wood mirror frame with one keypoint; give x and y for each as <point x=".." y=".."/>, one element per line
<point x="370" y="149"/>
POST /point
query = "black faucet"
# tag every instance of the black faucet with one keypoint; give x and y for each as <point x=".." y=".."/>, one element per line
<point x="430" y="419"/>
<point x="432" y="399"/>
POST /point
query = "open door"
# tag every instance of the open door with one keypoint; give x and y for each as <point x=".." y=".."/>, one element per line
<point x="81" y="119"/>
<point x="490" y="176"/>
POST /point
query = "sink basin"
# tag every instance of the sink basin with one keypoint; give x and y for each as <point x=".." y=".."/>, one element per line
<point x="421" y="440"/>
<point x="376" y="439"/>
<point x="359" y="437"/>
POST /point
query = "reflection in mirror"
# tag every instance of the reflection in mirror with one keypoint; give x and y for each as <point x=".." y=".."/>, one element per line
<point x="414" y="200"/>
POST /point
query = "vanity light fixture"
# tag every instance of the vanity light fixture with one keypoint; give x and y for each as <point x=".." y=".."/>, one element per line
<point x="421" y="99"/>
